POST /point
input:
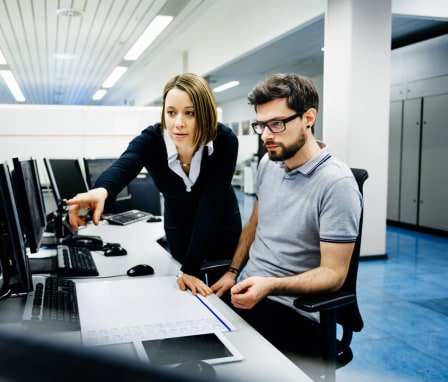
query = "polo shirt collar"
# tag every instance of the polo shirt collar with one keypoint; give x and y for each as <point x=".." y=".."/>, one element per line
<point x="308" y="167"/>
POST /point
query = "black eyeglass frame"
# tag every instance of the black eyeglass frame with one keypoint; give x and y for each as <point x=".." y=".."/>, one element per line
<point x="257" y="126"/>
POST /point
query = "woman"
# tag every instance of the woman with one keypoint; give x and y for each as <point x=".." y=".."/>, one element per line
<point x="191" y="158"/>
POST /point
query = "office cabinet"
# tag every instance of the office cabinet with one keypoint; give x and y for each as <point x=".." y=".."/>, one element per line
<point x="393" y="182"/>
<point x="410" y="158"/>
<point x="433" y="209"/>
<point x="418" y="157"/>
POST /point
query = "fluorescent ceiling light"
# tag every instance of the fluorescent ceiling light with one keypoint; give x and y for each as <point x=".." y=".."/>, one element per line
<point x="149" y="35"/>
<point x="69" y="12"/>
<point x="114" y="76"/>
<point x="12" y="85"/>
<point x="99" y="94"/>
<point x="226" y="86"/>
<point x="2" y="59"/>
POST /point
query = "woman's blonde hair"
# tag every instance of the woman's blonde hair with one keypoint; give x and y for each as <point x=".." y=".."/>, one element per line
<point x="204" y="104"/>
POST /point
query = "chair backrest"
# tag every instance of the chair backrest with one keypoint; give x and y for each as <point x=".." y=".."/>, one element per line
<point x="145" y="195"/>
<point x="349" y="315"/>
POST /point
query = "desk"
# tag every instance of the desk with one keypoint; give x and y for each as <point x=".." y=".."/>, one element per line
<point x="262" y="361"/>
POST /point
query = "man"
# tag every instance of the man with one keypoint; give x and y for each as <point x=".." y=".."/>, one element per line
<point x="301" y="234"/>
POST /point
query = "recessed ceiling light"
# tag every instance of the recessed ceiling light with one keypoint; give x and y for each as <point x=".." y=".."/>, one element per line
<point x="226" y="86"/>
<point x="2" y="59"/>
<point x="149" y="35"/>
<point x="69" y="12"/>
<point x="12" y="84"/>
<point x="114" y="76"/>
<point x="99" y="94"/>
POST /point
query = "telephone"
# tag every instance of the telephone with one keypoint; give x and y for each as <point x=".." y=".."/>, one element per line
<point x="94" y="243"/>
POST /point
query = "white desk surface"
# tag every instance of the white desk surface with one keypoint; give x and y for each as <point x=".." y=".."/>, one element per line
<point x="262" y="361"/>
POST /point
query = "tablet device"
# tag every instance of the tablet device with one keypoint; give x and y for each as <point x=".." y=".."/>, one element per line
<point x="213" y="348"/>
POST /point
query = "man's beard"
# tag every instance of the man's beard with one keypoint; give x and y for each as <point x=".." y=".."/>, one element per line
<point x="286" y="152"/>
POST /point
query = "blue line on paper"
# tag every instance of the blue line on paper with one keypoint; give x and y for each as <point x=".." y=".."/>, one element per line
<point x="212" y="312"/>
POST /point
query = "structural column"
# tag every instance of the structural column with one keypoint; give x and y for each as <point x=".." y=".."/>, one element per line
<point x="356" y="101"/>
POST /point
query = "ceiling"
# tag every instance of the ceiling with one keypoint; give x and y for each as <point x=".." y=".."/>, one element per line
<point x="31" y="33"/>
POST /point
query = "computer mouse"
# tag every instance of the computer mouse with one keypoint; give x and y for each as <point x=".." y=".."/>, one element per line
<point x="115" y="251"/>
<point x="140" y="270"/>
<point x="197" y="368"/>
<point x="154" y="219"/>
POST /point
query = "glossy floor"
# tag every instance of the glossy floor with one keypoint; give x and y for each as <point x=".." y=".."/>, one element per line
<point x="404" y="303"/>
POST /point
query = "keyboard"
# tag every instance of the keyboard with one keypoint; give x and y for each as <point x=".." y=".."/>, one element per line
<point x="52" y="305"/>
<point x="128" y="217"/>
<point x="75" y="261"/>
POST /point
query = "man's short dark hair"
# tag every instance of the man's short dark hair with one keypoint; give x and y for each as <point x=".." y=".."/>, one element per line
<point x="299" y="91"/>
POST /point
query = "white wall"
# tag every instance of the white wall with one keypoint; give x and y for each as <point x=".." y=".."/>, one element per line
<point x="70" y="131"/>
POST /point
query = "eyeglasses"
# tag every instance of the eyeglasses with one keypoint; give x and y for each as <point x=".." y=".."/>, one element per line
<point x="274" y="126"/>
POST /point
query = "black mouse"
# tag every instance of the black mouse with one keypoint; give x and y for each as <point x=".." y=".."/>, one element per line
<point x="115" y="251"/>
<point x="140" y="270"/>
<point x="154" y="219"/>
<point x="197" y="368"/>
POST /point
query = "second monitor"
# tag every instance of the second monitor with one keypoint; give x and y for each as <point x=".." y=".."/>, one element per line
<point x="66" y="178"/>
<point x="94" y="167"/>
<point x="30" y="201"/>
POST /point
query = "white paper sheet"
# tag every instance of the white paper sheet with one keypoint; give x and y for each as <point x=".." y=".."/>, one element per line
<point x="120" y="311"/>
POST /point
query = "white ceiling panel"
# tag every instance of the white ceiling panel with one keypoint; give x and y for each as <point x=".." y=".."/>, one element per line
<point x="32" y="33"/>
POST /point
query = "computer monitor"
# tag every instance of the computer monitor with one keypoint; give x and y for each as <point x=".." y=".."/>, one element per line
<point x="29" y="201"/>
<point x="66" y="178"/>
<point x="14" y="261"/>
<point x="94" y="167"/>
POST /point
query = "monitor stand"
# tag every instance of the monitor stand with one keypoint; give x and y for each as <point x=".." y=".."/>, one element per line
<point x="65" y="234"/>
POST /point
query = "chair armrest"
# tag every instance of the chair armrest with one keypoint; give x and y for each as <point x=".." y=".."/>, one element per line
<point x="322" y="302"/>
<point x="211" y="265"/>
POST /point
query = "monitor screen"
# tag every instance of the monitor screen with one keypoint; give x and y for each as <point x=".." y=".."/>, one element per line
<point x="66" y="178"/>
<point x="29" y="201"/>
<point x="94" y="167"/>
<point x="14" y="260"/>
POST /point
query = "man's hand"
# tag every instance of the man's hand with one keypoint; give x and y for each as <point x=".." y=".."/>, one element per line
<point x="194" y="284"/>
<point x="247" y="293"/>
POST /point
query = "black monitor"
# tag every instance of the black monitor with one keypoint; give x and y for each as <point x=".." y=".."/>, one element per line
<point x="14" y="260"/>
<point x="94" y="167"/>
<point x="66" y="178"/>
<point x="38" y="359"/>
<point x="30" y="201"/>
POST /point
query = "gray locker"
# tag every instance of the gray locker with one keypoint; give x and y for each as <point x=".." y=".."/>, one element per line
<point x="433" y="210"/>
<point x="410" y="161"/>
<point x="418" y="162"/>
<point x="393" y="183"/>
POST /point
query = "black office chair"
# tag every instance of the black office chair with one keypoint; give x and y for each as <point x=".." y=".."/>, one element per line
<point x="340" y="307"/>
<point x="212" y="270"/>
<point x="145" y="196"/>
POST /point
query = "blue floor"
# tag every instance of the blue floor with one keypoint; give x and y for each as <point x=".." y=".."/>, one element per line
<point x="404" y="303"/>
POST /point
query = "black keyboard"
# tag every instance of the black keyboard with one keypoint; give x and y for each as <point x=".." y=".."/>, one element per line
<point x="75" y="261"/>
<point x="52" y="305"/>
<point x="128" y="217"/>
